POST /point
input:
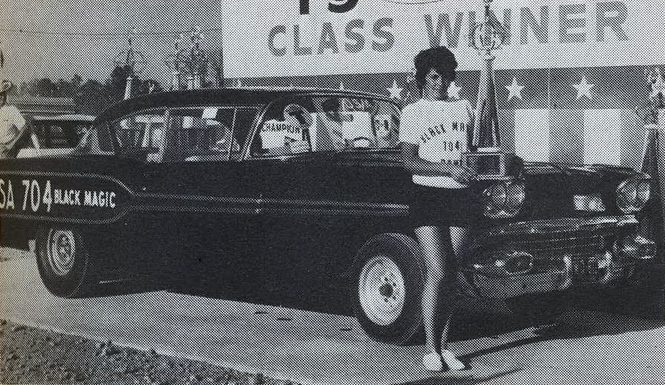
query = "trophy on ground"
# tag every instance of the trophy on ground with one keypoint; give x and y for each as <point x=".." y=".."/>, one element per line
<point x="488" y="161"/>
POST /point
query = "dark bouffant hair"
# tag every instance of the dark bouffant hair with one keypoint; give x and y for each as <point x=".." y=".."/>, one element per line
<point x="439" y="58"/>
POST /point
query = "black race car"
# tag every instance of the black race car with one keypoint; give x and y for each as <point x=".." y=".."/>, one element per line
<point x="308" y="186"/>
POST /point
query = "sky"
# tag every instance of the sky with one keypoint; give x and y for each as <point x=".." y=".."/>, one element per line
<point x="36" y="55"/>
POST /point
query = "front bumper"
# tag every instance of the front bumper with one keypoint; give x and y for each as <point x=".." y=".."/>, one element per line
<point x="549" y="255"/>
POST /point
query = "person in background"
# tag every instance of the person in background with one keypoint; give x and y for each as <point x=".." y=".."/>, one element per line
<point x="434" y="132"/>
<point x="13" y="127"/>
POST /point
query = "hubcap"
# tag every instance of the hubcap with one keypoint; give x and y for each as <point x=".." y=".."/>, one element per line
<point x="381" y="290"/>
<point x="61" y="251"/>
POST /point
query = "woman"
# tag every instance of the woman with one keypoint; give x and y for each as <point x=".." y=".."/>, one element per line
<point x="434" y="132"/>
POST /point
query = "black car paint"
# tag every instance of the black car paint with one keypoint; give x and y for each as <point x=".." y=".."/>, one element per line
<point x="282" y="216"/>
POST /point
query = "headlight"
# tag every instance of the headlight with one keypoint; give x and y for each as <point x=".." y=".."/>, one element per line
<point x="643" y="191"/>
<point x="633" y="194"/>
<point x="515" y="196"/>
<point x="498" y="195"/>
<point x="504" y="199"/>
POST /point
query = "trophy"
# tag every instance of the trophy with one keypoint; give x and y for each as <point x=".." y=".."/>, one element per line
<point x="194" y="61"/>
<point x="132" y="61"/>
<point x="487" y="161"/>
<point x="653" y="115"/>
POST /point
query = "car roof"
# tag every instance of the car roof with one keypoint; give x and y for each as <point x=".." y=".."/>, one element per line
<point x="223" y="96"/>
<point x="73" y="118"/>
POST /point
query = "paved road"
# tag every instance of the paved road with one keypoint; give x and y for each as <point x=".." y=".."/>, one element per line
<point x="311" y="347"/>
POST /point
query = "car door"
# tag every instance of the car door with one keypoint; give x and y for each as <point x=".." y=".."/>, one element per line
<point x="317" y="206"/>
<point x="196" y="196"/>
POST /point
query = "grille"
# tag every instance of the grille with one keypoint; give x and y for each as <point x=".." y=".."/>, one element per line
<point x="544" y="248"/>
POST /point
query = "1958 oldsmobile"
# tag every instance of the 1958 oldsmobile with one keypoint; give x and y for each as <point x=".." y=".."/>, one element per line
<point x="301" y="184"/>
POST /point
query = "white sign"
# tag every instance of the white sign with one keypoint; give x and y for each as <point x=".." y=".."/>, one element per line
<point x="371" y="39"/>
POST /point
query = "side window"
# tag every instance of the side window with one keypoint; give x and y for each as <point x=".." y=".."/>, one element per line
<point x="207" y="133"/>
<point x="97" y="140"/>
<point x="140" y="131"/>
<point x="326" y="123"/>
<point x="285" y="129"/>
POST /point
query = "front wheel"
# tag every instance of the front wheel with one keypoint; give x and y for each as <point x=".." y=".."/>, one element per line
<point x="64" y="263"/>
<point x="389" y="274"/>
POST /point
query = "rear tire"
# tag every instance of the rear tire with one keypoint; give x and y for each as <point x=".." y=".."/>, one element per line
<point x="388" y="277"/>
<point x="64" y="263"/>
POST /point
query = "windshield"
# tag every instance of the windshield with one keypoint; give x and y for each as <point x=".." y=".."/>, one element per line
<point x="326" y="123"/>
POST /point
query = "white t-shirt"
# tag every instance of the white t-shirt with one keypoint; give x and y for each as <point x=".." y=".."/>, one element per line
<point x="10" y="116"/>
<point x="439" y="128"/>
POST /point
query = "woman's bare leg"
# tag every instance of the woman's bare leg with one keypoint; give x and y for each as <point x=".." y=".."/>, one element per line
<point x="458" y="240"/>
<point x="440" y="285"/>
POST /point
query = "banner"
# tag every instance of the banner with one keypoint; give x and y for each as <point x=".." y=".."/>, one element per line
<point x="382" y="36"/>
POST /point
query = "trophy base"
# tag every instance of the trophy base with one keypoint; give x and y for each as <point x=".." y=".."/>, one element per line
<point x="489" y="165"/>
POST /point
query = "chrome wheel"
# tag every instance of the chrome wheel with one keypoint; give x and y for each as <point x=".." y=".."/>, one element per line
<point x="61" y="251"/>
<point x="381" y="290"/>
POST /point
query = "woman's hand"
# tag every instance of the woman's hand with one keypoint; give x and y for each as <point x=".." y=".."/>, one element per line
<point x="461" y="174"/>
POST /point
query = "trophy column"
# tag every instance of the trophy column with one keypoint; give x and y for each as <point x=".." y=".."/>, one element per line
<point x="653" y="156"/>
<point x="488" y="161"/>
<point x="133" y="61"/>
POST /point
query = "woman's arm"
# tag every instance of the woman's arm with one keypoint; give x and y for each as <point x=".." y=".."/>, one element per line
<point x="418" y="166"/>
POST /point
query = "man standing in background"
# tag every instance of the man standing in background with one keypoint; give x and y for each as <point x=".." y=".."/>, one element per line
<point x="13" y="126"/>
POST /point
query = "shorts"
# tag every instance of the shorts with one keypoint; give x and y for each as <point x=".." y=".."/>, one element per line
<point x="432" y="206"/>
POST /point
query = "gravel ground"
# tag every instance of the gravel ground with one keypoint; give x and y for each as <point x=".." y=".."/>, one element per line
<point x="35" y="356"/>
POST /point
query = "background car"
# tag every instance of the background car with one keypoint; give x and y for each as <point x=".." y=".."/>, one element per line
<point x="56" y="135"/>
<point x="306" y="187"/>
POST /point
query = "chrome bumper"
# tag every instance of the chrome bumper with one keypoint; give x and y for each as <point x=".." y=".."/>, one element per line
<point x="548" y="255"/>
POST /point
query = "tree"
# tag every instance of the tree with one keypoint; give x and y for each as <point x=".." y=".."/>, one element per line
<point x="92" y="97"/>
<point x="117" y="82"/>
<point x="76" y="81"/>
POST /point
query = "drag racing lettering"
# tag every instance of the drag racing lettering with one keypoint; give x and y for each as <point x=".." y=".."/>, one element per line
<point x="98" y="199"/>
<point x="63" y="197"/>
<point x="32" y="195"/>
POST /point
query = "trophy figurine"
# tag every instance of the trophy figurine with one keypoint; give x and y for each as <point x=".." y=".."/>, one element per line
<point x="488" y="161"/>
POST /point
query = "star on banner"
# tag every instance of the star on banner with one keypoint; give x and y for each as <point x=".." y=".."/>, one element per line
<point x="341" y="86"/>
<point x="454" y="90"/>
<point x="238" y="83"/>
<point x="583" y="88"/>
<point x="515" y="90"/>
<point x="395" y="91"/>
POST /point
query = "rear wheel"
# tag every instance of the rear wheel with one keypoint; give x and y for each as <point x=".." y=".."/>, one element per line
<point x="64" y="262"/>
<point x="389" y="273"/>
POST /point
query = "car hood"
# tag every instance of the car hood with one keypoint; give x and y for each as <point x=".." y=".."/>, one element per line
<point x="566" y="178"/>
